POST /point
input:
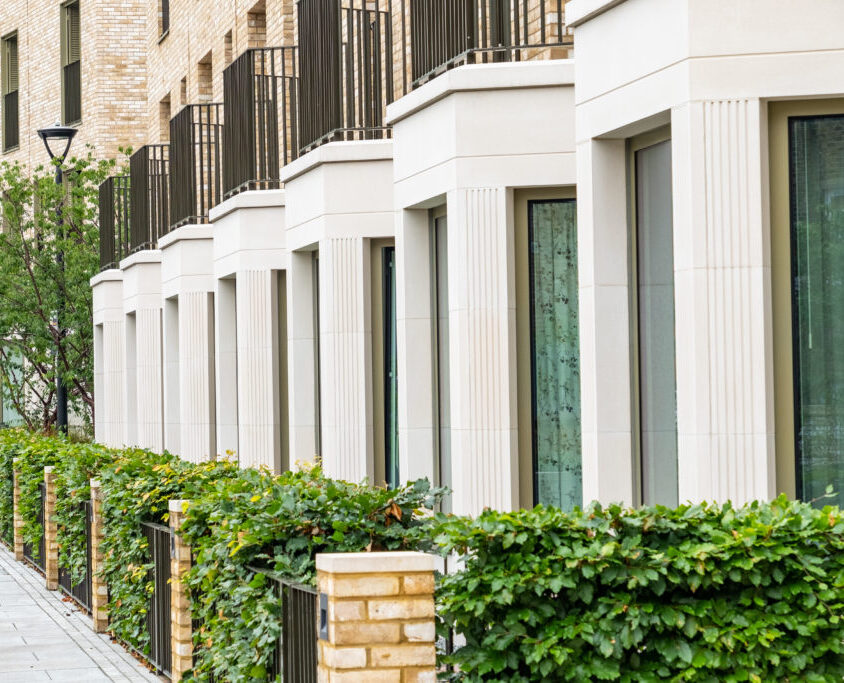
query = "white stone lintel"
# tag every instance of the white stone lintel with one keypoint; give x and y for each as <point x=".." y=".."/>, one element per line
<point x="251" y="199"/>
<point x="338" y="153"/>
<point x="580" y="11"/>
<point x="186" y="232"/>
<point x="110" y="275"/>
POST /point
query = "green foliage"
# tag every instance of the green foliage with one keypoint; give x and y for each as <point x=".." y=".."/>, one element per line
<point x="137" y="487"/>
<point x="33" y="452"/>
<point x="76" y="465"/>
<point x="280" y="523"/>
<point x="701" y="593"/>
<point x="11" y="442"/>
<point x="36" y="285"/>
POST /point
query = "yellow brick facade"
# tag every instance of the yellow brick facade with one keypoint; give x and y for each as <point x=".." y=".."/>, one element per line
<point x="113" y="65"/>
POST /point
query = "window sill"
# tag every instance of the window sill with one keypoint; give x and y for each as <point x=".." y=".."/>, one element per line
<point x="9" y="150"/>
<point x="163" y="36"/>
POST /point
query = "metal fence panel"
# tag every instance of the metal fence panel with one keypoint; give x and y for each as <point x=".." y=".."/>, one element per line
<point x="261" y="135"/>
<point x="149" y="172"/>
<point x="80" y="591"/>
<point x="114" y="221"/>
<point x="158" y="613"/>
<point x="195" y="163"/>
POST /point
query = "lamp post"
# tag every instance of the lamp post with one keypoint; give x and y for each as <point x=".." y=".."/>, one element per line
<point x="57" y="139"/>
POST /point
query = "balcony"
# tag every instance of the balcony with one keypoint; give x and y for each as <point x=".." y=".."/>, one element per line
<point x="449" y="33"/>
<point x="114" y="221"/>
<point x="196" y="182"/>
<point x="150" y="196"/>
<point x="260" y="102"/>
<point x="346" y="71"/>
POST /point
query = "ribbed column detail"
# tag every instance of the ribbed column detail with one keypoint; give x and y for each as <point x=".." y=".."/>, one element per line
<point x="113" y="379"/>
<point x="346" y="358"/>
<point x="149" y="379"/>
<point x="196" y="376"/>
<point x="257" y="368"/>
<point x="725" y="409"/>
<point x="482" y="352"/>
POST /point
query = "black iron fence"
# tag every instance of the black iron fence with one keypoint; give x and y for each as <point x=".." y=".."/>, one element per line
<point x="80" y="591"/>
<point x="448" y="33"/>
<point x="195" y="163"/>
<point x="261" y="135"/>
<point x="114" y="221"/>
<point x="346" y="70"/>
<point x="11" y="120"/>
<point x="294" y="655"/>
<point x="149" y="170"/>
<point x="158" y="612"/>
<point x="36" y="553"/>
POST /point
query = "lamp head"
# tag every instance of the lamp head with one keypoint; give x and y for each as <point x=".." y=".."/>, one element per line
<point x="57" y="139"/>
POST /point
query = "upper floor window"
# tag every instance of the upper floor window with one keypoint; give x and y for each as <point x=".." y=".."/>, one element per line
<point x="71" y="47"/>
<point x="10" y="86"/>
<point x="163" y="18"/>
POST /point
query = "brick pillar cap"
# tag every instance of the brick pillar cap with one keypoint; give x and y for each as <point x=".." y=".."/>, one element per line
<point x="177" y="506"/>
<point x="95" y="483"/>
<point x="48" y="469"/>
<point x="374" y="563"/>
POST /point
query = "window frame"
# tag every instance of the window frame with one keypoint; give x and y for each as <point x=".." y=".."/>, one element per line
<point x="787" y="475"/>
<point x="527" y="455"/>
<point x="5" y="86"/>
<point x="66" y="56"/>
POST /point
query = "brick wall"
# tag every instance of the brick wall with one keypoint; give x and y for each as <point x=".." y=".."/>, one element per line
<point x="113" y="64"/>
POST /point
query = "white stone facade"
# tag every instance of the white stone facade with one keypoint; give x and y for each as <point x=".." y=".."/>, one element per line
<point x="269" y="320"/>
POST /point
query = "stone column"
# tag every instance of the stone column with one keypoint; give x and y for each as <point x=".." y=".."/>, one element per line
<point x="99" y="589"/>
<point x="346" y="358"/>
<point x="51" y="545"/>
<point x="380" y="617"/>
<point x="16" y="516"/>
<point x="482" y="351"/>
<point x="181" y="634"/>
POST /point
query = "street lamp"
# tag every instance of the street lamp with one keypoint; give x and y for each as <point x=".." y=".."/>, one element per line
<point x="57" y="139"/>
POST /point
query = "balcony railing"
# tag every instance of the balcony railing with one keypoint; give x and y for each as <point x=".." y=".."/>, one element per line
<point x="150" y="195"/>
<point x="261" y="135"/>
<point x="346" y="70"/>
<point x="114" y="221"/>
<point x="196" y="135"/>
<point x="449" y="33"/>
<point x="11" y="118"/>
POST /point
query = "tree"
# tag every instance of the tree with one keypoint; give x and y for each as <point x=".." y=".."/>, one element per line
<point x="35" y="284"/>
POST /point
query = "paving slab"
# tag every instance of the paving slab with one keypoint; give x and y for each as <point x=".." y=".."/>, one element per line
<point x="43" y="638"/>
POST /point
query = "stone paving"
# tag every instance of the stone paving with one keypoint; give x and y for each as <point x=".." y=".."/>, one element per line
<point x="43" y="638"/>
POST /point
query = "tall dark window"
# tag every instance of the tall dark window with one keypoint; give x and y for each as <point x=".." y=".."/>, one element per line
<point x="9" y="75"/>
<point x="555" y="352"/>
<point x="163" y="17"/>
<point x="71" y="48"/>
<point x="391" y="432"/>
<point x="657" y="373"/>
<point x="442" y="379"/>
<point x="816" y="170"/>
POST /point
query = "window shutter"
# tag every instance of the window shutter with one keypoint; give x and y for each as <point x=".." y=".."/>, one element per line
<point x="12" y="64"/>
<point x="71" y="45"/>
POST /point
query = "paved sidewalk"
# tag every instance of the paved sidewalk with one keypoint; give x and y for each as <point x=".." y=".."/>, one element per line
<point x="43" y="638"/>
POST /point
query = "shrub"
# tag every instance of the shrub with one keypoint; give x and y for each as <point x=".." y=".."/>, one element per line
<point x="280" y="523"/>
<point x="701" y="593"/>
<point x="10" y="446"/>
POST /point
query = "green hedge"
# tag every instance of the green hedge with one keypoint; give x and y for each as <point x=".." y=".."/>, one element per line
<point x="9" y="449"/>
<point x="280" y="523"/>
<point x="701" y="593"/>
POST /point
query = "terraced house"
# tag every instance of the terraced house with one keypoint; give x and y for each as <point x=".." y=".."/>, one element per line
<point x="539" y="252"/>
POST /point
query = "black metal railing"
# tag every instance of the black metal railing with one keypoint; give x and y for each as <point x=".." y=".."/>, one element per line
<point x="261" y="135"/>
<point x="294" y="655"/>
<point x="80" y="591"/>
<point x="114" y="221"/>
<point x="448" y="33"/>
<point x="149" y="170"/>
<point x="195" y="165"/>
<point x="11" y="121"/>
<point x="72" y="93"/>
<point x="158" y="611"/>
<point x="35" y="554"/>
<point x="346" y="71"/>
